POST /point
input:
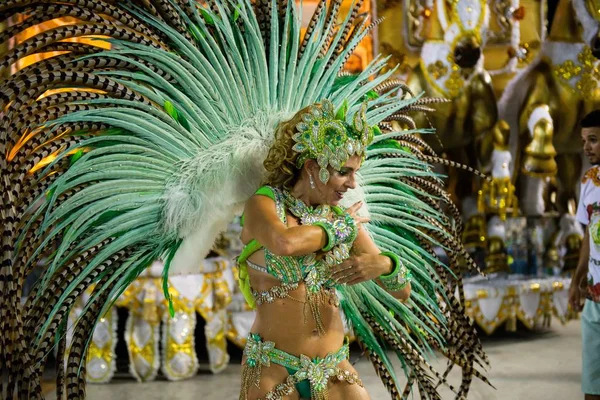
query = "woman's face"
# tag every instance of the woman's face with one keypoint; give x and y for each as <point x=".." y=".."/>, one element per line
<point x="339" y="181"/>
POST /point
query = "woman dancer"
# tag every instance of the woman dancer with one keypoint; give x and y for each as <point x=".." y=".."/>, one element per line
<point x="148" y="149"/>
<point x="300" y="245"/>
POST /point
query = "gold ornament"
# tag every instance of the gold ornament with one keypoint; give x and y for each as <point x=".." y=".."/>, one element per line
<point x="186" y="347"/>
<point x="474" y="234"/>
<point x="586" y="70"/>
<point x="146" y="351"/>
<point x="567" y="70"/>
<point x="437" y="69"/>
<point x="454" y="84"/>
<point x="105" y="353"/>
<point x="496" y="259"/>
<point x="524" y="53"/>
<point x="539" y="154"/>
<point x="587" y="84"/>
<point x="498" y="197"/>
<point x="586" y="58"/>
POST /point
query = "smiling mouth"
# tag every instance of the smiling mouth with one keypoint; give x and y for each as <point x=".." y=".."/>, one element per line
<point x="339" y="194"/>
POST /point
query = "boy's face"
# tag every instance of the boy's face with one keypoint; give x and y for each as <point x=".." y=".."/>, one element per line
<point x="591" y="144"/>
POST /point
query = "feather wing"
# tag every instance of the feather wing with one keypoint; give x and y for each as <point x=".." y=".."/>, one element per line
<point x="159" y="142"/>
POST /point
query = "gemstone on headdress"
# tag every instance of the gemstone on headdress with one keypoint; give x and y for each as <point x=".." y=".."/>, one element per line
<point x="322" y="160"/>
<point x="327" y="106"/>
<point x="358" y="122"/>
<point x="299" y="147"/>
<point x="359" y="148"/>
<point x="315" y="133"/>
<point x="336" y="162"/>
<point x="366" y="136"/>
<point x="350" y="147"/>
<point x="301" y="127"/>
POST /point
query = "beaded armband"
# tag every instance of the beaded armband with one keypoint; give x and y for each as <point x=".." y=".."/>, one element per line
<point x="400" y="275"/>
<point x="342" y="229"/>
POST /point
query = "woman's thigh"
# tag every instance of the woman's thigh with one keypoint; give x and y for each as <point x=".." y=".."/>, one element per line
<point x="344" y="390"/>
<point x="270" y="377"/>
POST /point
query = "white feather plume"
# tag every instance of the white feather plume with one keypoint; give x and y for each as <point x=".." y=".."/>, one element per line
<point x="212" y="188"/>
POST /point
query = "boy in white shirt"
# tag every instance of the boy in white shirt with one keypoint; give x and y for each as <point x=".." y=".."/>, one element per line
<point x="585" y="285"/>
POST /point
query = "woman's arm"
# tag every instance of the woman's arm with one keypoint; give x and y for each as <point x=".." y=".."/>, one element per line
<point x="263" y="224"/>
<point x="367" y="263"/>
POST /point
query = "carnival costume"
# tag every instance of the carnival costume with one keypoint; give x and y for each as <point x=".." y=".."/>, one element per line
<point x="159" y="143"/>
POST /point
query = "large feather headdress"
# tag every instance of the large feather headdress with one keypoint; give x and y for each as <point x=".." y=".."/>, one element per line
<point x="158" y="143"/>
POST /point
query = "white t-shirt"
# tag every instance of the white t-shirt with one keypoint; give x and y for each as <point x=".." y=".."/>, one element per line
<point x="588" y="213"/>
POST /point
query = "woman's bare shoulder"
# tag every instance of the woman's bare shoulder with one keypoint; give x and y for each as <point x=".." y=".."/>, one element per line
<point x="260" y="209"/>
<point x="258" y="203"/>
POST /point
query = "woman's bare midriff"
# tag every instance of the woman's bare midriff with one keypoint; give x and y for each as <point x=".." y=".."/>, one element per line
<point x="288" y="322"/>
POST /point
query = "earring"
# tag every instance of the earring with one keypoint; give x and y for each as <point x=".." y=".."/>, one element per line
<point x="312" y="182"/>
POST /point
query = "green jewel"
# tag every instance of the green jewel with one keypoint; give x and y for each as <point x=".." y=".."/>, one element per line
<point x="257" y="351"/>
<point x="311" y="280"/>
<point x="336" y="253"/>
<point x="341" y="154"/>
<point x="360" y="118"/>
<point x="329" y="259"/>
<point x="322" y="160"/>
<point x="299" y="147"/>
<point x="324" y="175"/>
<point x="350" y="147"/>
<point x="317" y="372"/>
<point x="328" y="109"/>
<point x="336" y="163"/>
<point x="315" y="133"/>
<point x="359" y="148"/>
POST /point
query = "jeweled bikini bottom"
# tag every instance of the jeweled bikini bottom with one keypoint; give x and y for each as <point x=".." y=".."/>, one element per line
<point x="309" y="377"/>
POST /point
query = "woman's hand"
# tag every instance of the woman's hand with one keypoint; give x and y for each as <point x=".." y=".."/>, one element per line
<point x="361" y="268"/>
<point x="352" y="210"/>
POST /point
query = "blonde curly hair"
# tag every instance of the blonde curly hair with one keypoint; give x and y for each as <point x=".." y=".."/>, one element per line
<point x="281" y="160"/>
